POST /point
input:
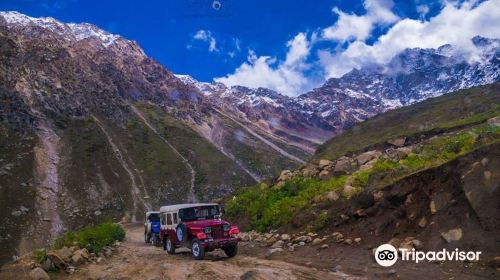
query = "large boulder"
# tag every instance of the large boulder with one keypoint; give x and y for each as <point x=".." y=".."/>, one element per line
<point x="324" y="163"/>
<point x="398" y="142"/>
<point x="39" y="274"/>
<point x="481" y="185"/>
<point x="367" y="156"/>
<point x="343" y="166"/>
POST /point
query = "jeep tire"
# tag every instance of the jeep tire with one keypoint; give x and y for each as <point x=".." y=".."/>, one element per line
<point x="169" y="246"/>
<point x="182" y="234"/>
<point x="197" y="249"/>
<point x="231" y="251"/>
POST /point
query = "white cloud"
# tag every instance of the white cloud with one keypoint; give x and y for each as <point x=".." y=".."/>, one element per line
<point x="264" y="71"/>
<point x="206" y="36"/>
<point x="455" y="24"/>
<point x="351" y="26"/>
<point x="422" y="10"/>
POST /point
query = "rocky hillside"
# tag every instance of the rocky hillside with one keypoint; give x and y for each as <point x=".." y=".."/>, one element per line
<point x="427" y="186"/>
<point x="92" y="129"/>
<point x="411" y="76"/>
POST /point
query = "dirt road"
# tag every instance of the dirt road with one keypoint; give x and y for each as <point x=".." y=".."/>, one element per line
<point x="137" y="260"/>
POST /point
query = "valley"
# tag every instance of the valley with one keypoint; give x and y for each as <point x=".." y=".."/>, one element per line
<point x="93" y="130"/>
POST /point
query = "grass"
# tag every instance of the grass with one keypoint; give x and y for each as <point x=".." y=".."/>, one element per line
<point x="270" y="207"/>
<point x="93" y="238"/>
<point x="465" y="107"/>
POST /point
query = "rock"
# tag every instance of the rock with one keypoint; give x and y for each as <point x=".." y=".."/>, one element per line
<point x="398" y="142"/>
<point x="332" y="196"/>
<point x="310" y="170"/>
<point x="399" y="153"/>
<point x="417" y="244"/>
<point x="97" y="212"/>
<point x="99" y="260"/>
<point x="16" y="213"/>
<point x="291" y="248"/>
<point x="57" y="261"/>
<point x="303" y="238"/>
<point x="324" y="246"/>
<point x="339" y="237"/>
<point x="312" y="234"/>
<point x="378" y="196"/>
<point x="494" y="121"/>
<point x="325" y="174"/>
<point x="423" y="222"/>
<point x="344" y="217"/>
<point x="278" y="244"/>
<point x="432" y="207"/>
<point x="285" y="175"/>
<point x="324" y="163"/>
<point x="348" y="190"/>
<point x="357" y="240"/>
<point x="316" y="241"/>
<point x="367" y="156"/>
<point x="336" y="268"/>
<point x="343" y="166"/>
<point x="39" y="274"/>
<point x="64" y="253"/>
<point x="285" y="237"/>
<point x="440" y="201"/>
<point x="301" y="243"/>
<point x="480" y="186"/>
<point x="47" y="265"/>
<point x="79" y="257"/>
<point x="348" y="241"/>
<point x="270" y="252"/>
<point x="452" y="235"/>
<point x="70" y="269"/>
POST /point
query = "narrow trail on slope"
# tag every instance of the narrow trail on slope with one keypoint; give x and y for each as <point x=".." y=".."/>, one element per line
<point x="47" y="161"/>
<point x="256" y="177"/>
<point x="191" y="196"/>
<point x="267" y="142"/>
<point x="136" y="194"/>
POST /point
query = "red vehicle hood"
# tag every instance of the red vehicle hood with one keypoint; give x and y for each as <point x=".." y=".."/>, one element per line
<point x="205" y="223"/>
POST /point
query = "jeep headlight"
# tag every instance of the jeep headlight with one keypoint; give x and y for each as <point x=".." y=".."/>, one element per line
<point x="208" y="230"/>
<point x="226" y="227"/>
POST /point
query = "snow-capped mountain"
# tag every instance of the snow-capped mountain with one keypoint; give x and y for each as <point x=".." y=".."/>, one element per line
<point x="71" y="31"/>
<point x="411" y="76"/>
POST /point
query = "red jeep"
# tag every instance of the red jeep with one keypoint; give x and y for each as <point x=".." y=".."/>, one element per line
<point x="198" y="227"/>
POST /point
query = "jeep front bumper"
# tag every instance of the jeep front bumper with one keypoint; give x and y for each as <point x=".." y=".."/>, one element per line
<point x="210" y="244"/>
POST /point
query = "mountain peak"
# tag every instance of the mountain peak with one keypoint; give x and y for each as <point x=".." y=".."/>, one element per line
<point x="71" y="31"/>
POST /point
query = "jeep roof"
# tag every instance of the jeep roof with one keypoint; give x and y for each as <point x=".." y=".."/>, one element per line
<point x="176" y="207"/>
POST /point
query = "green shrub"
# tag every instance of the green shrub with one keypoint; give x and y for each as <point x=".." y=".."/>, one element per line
<point x="270" y="208"/>
<point x="40" y="255"/>
<point x="94" y="238"/>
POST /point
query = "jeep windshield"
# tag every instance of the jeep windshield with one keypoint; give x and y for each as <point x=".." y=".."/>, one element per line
<point x="154" y="217"/>
<point x="199" y="213"/>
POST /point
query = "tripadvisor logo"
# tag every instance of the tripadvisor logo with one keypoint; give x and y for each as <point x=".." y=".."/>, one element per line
<point x="387" y="255"/>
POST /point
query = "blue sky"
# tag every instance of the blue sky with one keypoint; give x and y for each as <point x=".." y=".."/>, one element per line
<point x="290" y="46"/>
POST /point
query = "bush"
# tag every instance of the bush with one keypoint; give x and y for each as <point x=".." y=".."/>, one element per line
<point x="94" y="238"/>
<point x="271" y="208"/>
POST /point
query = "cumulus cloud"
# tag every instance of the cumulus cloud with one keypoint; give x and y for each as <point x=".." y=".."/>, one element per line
<point x="285" y="76"/>
<point x="456" y="24"/>
<point x="206" y="36"/>
<point x="351" y="26"/>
